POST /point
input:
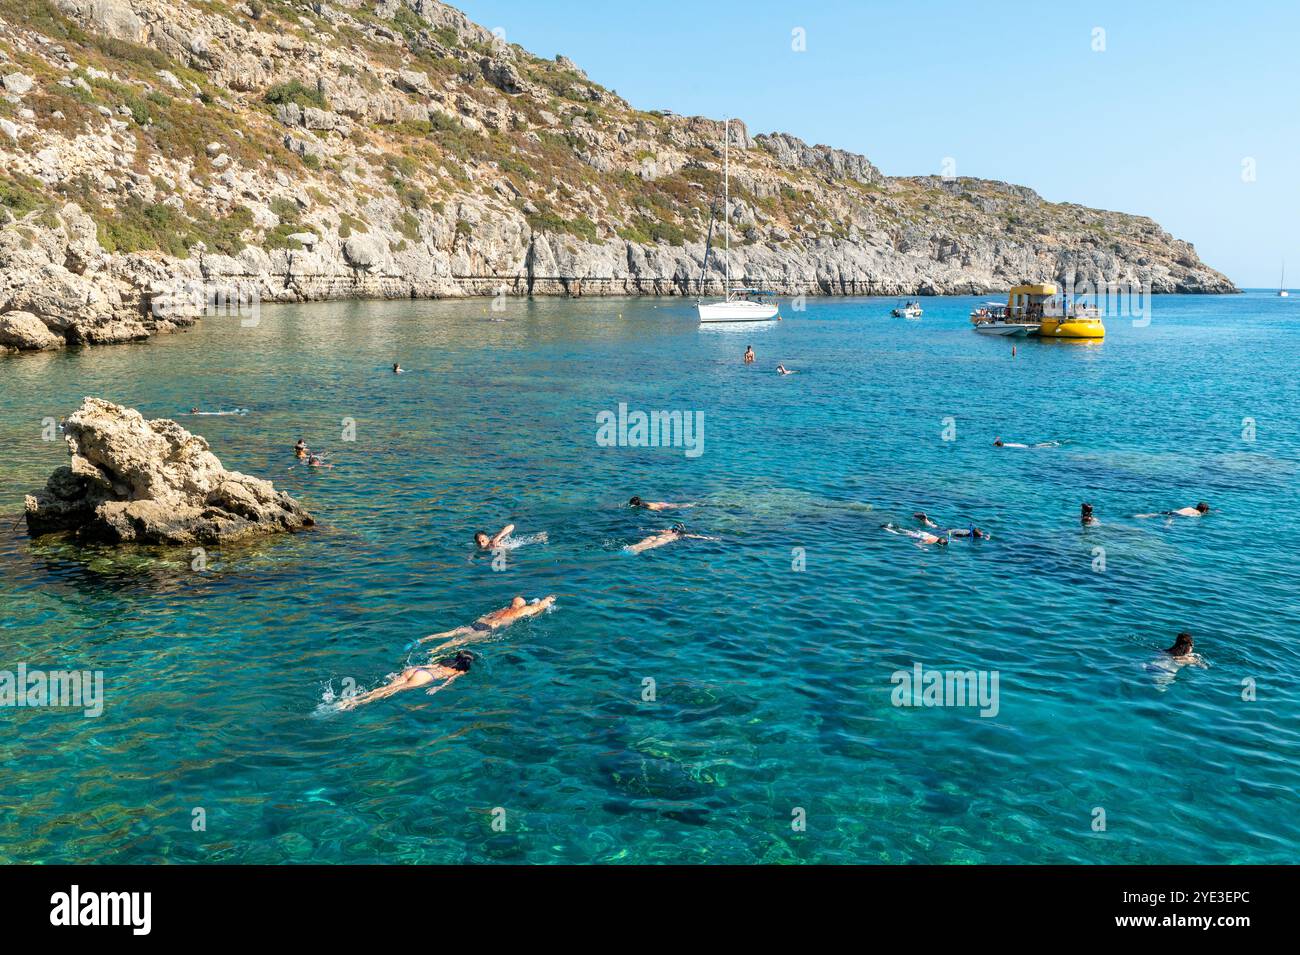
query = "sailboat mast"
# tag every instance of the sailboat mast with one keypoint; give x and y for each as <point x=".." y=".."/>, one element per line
<point x="726" y="202"/>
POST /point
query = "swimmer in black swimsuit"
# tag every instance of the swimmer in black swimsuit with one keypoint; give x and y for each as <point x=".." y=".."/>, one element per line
<point x="414" y="677"/>
<point x="519" y="609"/>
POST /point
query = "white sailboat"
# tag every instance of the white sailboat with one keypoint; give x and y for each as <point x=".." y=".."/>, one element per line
<point x="1281" y="286"/>
<point x="739" y="305"/>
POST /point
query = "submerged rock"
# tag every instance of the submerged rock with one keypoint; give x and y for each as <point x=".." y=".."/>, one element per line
<point x="152" y="482"/>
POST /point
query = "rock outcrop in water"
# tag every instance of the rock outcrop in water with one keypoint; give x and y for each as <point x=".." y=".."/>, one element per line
<point x="152" y="482"/>
<point x="157" y="155"/>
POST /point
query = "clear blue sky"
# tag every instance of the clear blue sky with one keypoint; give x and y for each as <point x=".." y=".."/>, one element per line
<point x="1158" y="124"/>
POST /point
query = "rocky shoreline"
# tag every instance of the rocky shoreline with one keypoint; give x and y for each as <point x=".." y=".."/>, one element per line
<point x="162" y="159"/>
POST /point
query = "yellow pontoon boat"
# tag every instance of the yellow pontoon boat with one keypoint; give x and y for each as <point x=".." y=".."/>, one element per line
<point x="1056" y="315"/>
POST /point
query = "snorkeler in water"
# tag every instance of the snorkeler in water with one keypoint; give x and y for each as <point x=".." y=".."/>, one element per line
<point x="971" y="531"/>
<point x="654" y="505"/>
<point x="999" y="443"/>
<point x="675" y="533"/>
<point x="1200" y="510"/>
<point x="921" y="537"/>
<point x="519" y="609"/>
<point x="443" y="674"/>
<point x="314" y="461"/>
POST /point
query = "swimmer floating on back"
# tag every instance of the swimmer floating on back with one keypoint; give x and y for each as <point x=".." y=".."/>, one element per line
<point x="443" y="674"/>
<point x="674" y="533"/>
<point x="519" y="609"/>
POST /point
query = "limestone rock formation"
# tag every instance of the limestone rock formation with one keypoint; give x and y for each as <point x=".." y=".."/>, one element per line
<point x="23" y="331"/>
<point x="152" y="482"/>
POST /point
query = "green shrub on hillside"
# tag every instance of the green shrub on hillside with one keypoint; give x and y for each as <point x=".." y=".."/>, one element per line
<point x="295" y="91"/>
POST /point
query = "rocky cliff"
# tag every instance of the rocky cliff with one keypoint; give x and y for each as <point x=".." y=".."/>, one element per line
<point x="157" y="156"/>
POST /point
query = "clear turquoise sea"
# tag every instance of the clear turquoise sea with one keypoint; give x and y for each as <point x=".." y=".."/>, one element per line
<point x="772" y="685"/>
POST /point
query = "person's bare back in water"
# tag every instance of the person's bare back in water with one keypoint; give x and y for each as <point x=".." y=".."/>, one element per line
<point x="1200" y="510"/>
<point x="655" y="505"/>
<point x="664" y="537"/>
<point x="921" y="537"/>
<point x="519" y="609"/>
<point x="412" y="678"/>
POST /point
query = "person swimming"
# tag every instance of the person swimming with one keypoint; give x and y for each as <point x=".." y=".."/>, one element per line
<point x="300" y="449"/>
<point x="999" y="443"/>
<point x="314" y="461"/>
<point x="921" y="537"/>
<point x="782" y="370"/>
<point x="675" y="533"/>
<point x="1199" y="510"/>
<point x="518" y="609"/>
<point x="397" y="369"/>
<point x="414" y="677"/>
<point x="1085" y="516"/>
<point x="484" y="542"/>
<point x="1170" y="661"/>
<point x="1183" y="650"/>
<point x="749" y="354"/>
<point x="973" y="532"/>
<point x="654" y="505"/>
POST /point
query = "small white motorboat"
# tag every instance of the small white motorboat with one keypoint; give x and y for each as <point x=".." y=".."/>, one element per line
<point x="910" y="309"/>
<point x="992" y="318"/>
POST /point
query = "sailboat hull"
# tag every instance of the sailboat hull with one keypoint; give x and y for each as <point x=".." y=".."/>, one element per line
<point x="738" y="311"/>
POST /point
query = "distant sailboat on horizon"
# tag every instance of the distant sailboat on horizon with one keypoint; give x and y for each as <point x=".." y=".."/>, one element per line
<point x="741" y="305"/>
<point x="1281" y="286"/>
